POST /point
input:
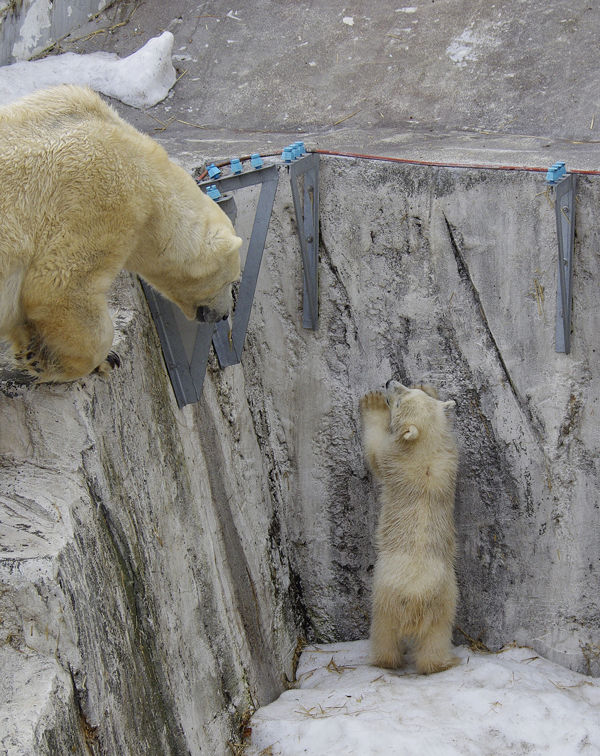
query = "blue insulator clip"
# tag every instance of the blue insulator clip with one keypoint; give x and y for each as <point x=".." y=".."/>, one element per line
<point x="555" y="173"/>
<point x="213" y="192"/>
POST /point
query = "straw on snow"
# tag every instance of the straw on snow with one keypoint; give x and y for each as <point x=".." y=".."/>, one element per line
<point x="505" y="704"/>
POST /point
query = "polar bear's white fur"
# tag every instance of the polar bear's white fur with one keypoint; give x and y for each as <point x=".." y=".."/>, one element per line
<point x="83" y="195"/>
<point x="410" y="449"/>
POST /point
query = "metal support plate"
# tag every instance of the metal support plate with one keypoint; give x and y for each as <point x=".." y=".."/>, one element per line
<point x="307" y="218"/>
<point x="229" y="340"/>
<point x="565" y="228"/>
<point x="186" y="344"/>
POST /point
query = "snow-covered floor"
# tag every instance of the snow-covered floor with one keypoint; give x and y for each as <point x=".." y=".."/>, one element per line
<point x="512" y="703"/>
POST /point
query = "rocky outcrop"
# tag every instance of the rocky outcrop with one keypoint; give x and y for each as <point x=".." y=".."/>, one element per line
<point x="142" y="560"/>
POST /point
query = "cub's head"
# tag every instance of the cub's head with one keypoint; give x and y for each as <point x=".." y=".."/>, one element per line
<point x="416" y="412"/>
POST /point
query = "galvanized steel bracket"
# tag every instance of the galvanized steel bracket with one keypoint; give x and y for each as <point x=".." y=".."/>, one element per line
<point x="186" y="344"/>
<point x="229" y="342"/>
<point x="307" y="219"/>
<point x="564" y="204"/>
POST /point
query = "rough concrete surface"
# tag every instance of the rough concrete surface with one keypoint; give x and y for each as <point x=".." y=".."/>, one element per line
<point x="423" y="278"/>
<point x="157" y="565"/>
<point x="28" y="27"/>
<point x="138" y="552"/>
<point x="510" y="82"/>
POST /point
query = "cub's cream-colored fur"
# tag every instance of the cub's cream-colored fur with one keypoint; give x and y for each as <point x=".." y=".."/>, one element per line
<point x="83" y="195"/>
<point x="412" y="454"/>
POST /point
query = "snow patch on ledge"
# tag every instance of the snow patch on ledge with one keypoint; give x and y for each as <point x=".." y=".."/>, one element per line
<point x="142" y="79"/>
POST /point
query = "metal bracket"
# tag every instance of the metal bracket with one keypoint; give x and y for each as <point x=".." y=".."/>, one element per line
<point x="564" y="204"/>
<point x="307" y="220"/>
<point x="186" y="344"/>
<point x="228" y="343"/>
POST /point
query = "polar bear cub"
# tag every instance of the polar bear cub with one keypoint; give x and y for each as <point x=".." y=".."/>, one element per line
<point x="412" y="454"/>
<point x="84" y="195"/>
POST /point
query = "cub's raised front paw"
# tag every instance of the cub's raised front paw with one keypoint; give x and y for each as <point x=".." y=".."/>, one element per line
<point x="374" y="401"/>
<point x="105" y="368"/>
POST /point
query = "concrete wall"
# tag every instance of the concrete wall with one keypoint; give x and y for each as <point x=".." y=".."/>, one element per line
<point x="158" y="565"/>
<point x="446" y="276"/>
<point x="29" y="26"/>
<point x="142" y="563"/>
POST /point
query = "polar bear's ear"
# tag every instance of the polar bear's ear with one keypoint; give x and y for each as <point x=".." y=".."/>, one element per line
<point x="449" y="404"/>
<point x="429" y="390"/>
<point x="224" y="242"/>
<point x="411" y="433"/>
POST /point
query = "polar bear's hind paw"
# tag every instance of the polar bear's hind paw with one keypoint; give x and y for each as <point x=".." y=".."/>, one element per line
<point x="105" y="368"/>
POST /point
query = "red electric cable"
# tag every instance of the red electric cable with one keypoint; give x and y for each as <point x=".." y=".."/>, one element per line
<point x="412" y="161"/>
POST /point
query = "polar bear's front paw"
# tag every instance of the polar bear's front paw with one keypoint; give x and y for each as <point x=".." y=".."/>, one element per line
<point x="33" y="358"/>
<point x="106" y="366"/>
<point x="374" y="401"/>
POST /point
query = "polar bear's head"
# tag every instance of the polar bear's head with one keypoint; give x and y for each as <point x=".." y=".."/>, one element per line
<point x="203" y="288"/>
<point x="416" y="411"/>
<point x="198" y="260"/>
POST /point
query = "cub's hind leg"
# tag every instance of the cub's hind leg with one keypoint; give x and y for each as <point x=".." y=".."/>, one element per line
<point x="433" y="646"/>
<point x="387" y="643"/>
<point x="387" y="648"/>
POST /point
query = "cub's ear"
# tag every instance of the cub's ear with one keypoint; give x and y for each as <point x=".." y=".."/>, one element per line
<point x="427" y="390"/>
<point x="448" y="405"/>
<point x="411" y="433"/>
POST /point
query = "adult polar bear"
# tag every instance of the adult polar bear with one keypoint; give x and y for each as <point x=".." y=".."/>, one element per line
<point x="82" y="195"/>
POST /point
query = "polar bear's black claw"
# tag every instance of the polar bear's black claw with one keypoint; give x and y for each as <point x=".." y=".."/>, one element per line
<point x="110" y="363"/>
<point x="113" y="359"/>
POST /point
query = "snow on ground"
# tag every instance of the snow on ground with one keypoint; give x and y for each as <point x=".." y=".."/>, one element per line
<point x="141" y="80"/>
<point x="513" y="703"/>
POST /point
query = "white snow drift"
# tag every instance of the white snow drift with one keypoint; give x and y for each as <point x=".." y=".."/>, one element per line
<point x="142" y="79"/>
<point x="506" y="704"/>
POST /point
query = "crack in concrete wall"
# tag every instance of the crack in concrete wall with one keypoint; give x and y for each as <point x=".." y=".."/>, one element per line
<point x="463" y="272"/>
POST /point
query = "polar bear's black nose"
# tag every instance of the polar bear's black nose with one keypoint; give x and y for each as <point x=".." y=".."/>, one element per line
<point x="201" y="314"/>
<point x="207" y="315"/>
<point x="387" y="385"/>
